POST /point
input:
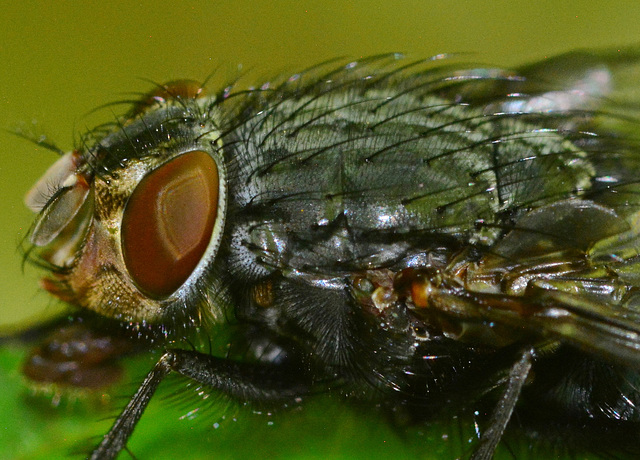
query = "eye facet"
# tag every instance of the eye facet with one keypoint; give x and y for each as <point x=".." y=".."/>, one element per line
<point x="168" y="222"/>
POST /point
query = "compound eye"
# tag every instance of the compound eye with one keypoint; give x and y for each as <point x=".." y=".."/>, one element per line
<point x="168" y="222"/>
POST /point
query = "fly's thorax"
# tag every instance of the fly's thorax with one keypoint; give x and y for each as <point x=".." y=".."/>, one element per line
<point x="152" y="214"/>
<point x="320" y="175"/>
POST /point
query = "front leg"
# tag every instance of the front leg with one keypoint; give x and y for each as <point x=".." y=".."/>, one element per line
<point x="243" y="381"/>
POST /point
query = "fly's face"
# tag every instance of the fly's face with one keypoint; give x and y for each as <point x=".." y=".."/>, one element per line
<point x="134" y="219"/>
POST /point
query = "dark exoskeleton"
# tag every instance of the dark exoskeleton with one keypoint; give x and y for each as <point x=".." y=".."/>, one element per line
<point x="434" y="238"/>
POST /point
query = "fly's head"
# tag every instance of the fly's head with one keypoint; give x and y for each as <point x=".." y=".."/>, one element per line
<point x="129" y="225"/>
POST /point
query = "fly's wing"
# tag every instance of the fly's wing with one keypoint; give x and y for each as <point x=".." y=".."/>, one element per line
<point x="595" y="307"/>
<point x="568" y="272"/>
<point x="571" y="82"/>
<point x="609" y="80"/>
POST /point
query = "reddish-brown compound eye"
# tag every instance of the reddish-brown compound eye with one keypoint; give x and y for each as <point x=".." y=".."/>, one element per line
<point x="168" y="222"/>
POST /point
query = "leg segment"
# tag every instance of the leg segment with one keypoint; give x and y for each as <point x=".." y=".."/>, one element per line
<point x="502" y="413"/>
<point x="246" y="382"/>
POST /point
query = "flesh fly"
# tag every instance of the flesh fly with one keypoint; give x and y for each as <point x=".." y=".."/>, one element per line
<point x="429" y="237"/>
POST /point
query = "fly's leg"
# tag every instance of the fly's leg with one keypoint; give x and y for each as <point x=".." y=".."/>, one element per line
<point x="502" y="413"/>
<point x="243" y="381"/>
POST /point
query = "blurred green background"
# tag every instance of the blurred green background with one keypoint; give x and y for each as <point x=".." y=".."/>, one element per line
<point x="62" y="59"/>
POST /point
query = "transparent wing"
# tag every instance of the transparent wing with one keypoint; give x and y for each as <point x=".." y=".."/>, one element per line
<point x="567" y="272"/>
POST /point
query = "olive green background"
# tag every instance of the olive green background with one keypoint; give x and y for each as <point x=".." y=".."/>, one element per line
<point x="62" y="59"/>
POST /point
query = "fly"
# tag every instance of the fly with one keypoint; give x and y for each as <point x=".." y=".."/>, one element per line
<point x="429" y="238"/>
